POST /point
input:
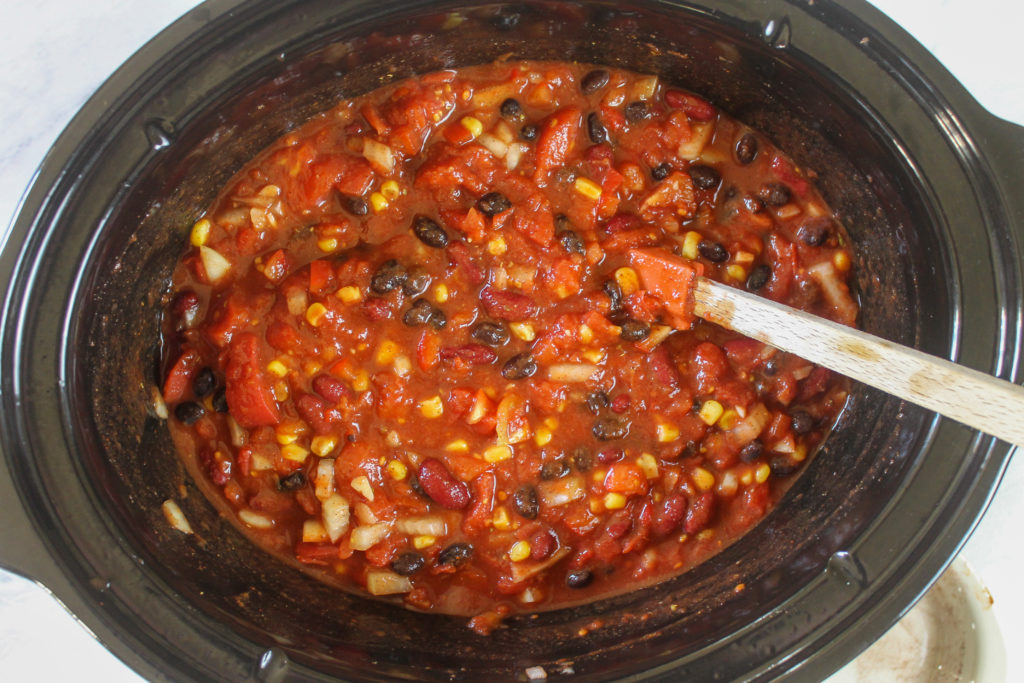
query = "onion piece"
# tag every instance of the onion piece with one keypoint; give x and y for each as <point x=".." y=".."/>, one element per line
<point x="175" y="517"/>
<point x="255" y="519"/>
<point x="835" y="290"/>
<point x="493" y="145"/>
<point x="424" y="525"/>
<point x="323" y="480"/>
<point x="692" y="148"/>
<point x="336" y="516"/>
<point x="379" y="155"/>
<point x="515" y="154"/>
<point x="562" y="491"/>
<point x="383" y="582"/>
<point x="571" y="372"/>
<point x="365" y="537"/>
<point x="521" y="571"/>
<point x="215" y="265"/>
<point x="748" y="428"/>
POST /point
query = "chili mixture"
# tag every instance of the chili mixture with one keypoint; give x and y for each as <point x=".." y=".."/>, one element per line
<point x="407" y="345"/>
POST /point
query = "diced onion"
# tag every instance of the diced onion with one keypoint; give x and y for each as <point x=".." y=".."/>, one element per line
<point x="571" y="372"/>
<point x="835" y="291"/>
<point x="238" y="435"/>
<point x="692" y="148"/>
<point x="255" y="519"/>
<point x="562" y="491"/>
<point x="296" y="300"/>
<point x="215" y="265"/>
<point x="324" y="478"/>
<point x="175" y="517"/>
<point x="365" y="515"/>
<point x="383" y="582"/>
<point x="365" y="537"/>
<point x="514" y="154"/>
<point x="426" y="525"/>
<point x="748" y="428"/>
<point x="643" y="88"/>
<point x="493" y="145"/>
<point x="524" y="570"/>
<point x="336" y="516"/>
<point x="379" y="155"/>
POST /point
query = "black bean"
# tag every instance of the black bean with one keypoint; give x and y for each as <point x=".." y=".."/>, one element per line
<point x="704" y="177"/>
<point x="752" y="451"/>
<point x="782" y="466"/>
<point x="753" y="204"/>
<point x="389" y="276"/>
<point x="634" y="330"/>
<point x="571" y="242"/>
<point x="414" y="484"/>
<point x="614" y="292"/>
<point x="407" y="563"/>
<point x="418" y="314"/>
<point x="814" y="231"/>
<point x="429" y="232"/>
<point x="357" y="206"/>
<point x="493" y="203"/>
<point x="512" y="110"/>
<point x="595" y="129"/>
<point x="554" y="469"/>
<point x="525" y="499"/>
<point x="617" y="316"/>
<point x="293" y="482"/>
<point x="437" y="319"/>
<point x="220" y="400"/>
<point x="582" y="459"/>
<point x="594" y="81"/>
<point x="759" y="277"/>
<point x="712" y="251"/>
<point x="456" y="554"/>
<point x="610" y="429"/>
<point x="579" y="578"/>
<point x="519" y="366"/>
<point x="204" y="383"/>
<point x="746" y="148"/>
<point x="417" y="282"/>
<point x="801" y="421"/>
<point x="597" y="401"/>
<point x="189" y="412"/>
<point x="491" y="334"/>
<point x="637" y="111"/>
<point x="529" y="132"/>
<point x="661" y="171"/>
<point x="774" y="194"/>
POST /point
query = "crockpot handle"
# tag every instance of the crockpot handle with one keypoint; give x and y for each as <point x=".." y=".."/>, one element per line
<point x="21" y="549"/>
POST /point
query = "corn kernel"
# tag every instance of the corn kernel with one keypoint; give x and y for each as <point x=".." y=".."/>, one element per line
<point x="627" y="280"/>
<point x="432" y="407"/>
<point x="588" y="188"/>
<point x="362" y="381"/>
<point x="543" y="436"/>
<point x="500" y="519"/>
<point x="497" y="453"/>
<point x="710" y="411"/>
<point x="614" y="501"/>
<point x="524" y="331"/>
<point x="315" y="314"/>
<point x="350" y="294"/>
<point x="736" y="272"/>
<point x="841" y="260"/>
<point x="281" y="390"/>
<point x="287" y="433"/>
<point x="599" y="475"/>
<point x="586" y="334"/>
<point x="397" y="470"/>
<point x="551" y="422"/>
<point x="497" y="246"/>
<point x="323" y="445"/>
<point x="424" y="541"/>
<point x="378" y="202"/>
<point x="747" y="478"/>
<point x="667" y="432"/>
<point x="473" y="125"/>
<point x="800" y="453"/>
<point x="706" y="535"/>
<point x="390" y="189"/>
<point x="594" y="355"/>
<point x="327" y="244"/>
<point x="294" y="452"/>
<point x="728" y="419"/>
<point x="362" y="485"/>
<point x="277" y="368"/>
<point x="690" y="242"/>
<point x="441" y="293"/>
<point x="704" y="480"/>
<point x="200" y="232"/>
<point x="762" y="473"/>
<point x="648" y="465"/>
<point x="403" y="366"/>
<point x="743" y="258"/>
<point x="387" y="352"/>
<point x="457" y="446"/>
<point x="313" y="531"/>
<point x="519" y="551"/>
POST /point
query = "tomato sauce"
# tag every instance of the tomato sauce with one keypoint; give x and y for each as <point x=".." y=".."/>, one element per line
<point x="407" y="348"/>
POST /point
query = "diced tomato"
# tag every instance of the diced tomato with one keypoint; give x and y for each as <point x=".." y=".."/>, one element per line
<point x="710" y="364"/>
<point x="323" y="554"/>
<point x="787" y="173"/>
<point x="247" y="389"/>
<point x="782" y="255"/>
<point x="625" y="478"/>
<point x="669" y="278"/>
<point x="428" y="350"/>
<point x="349" y="174"/>
<point x="232" y="315"/>
<point x="179" y="378"/>
<point x="321" y="275"/>
<point x="557" y="138"/>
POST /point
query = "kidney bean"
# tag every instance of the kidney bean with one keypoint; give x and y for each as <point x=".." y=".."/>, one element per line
<point x="389" y="276"/>
<point x="407" y="563"/>
<point x="507" y="305"/>
<point x="579" y="578"/>
<point x="377" y="308"/>
<point x="189" y="412"/>
<point x="774" y="194"/>
<point x="441" y="486"/>
<point x="752" y="451"/>
<point x="331" y="388"/>
<point x="759" y="277"/>
<point x="610" y="455"/>
<point x="634" y="330"/>
<point x="204" y="382"/>
<point x="622" y="222"/>
<point x="456" y="554"/>
<point x="474" y="354"/>
<point x="525" y="500"/>
<point x="542" y="544"/>
<point x="571" y="242"/>
<point x="594" y="81"/>
<point x="595" y="129"/>
<point x="293" y="482"/>
<point x="554" y="469"/>
<point x="697" y="108"/>
<point x="519" y="366"/>
<point x="746" y="148"/>
<point x="493" y="203"/>
<point x="429" y="232"/>
<point x="610" y="429"/>
<point x="512" y="111"/>
<point x="459" y="254"/>
<point x="698" y="513"/>
<point x="491" y="334"/>
<point x="669" y="515"/>
<point x="704" y="177"/>
<point x="185" y="305"/>
<point x="621" y="403"/>
<point x="637" y="111"/>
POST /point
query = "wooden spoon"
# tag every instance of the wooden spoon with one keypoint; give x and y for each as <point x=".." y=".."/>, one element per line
<point x="981" y="401"/>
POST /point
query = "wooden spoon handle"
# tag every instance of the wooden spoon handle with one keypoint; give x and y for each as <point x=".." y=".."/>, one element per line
<point x="981" y="401"/>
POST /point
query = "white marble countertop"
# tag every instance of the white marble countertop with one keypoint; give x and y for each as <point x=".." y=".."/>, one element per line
<point x="58" y="51"/>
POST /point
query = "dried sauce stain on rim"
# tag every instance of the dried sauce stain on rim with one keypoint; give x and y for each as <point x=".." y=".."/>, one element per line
<point x="459" y="394"/>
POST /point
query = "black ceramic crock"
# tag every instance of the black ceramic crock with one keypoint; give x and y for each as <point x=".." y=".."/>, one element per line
<point x="922" y="176"/>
